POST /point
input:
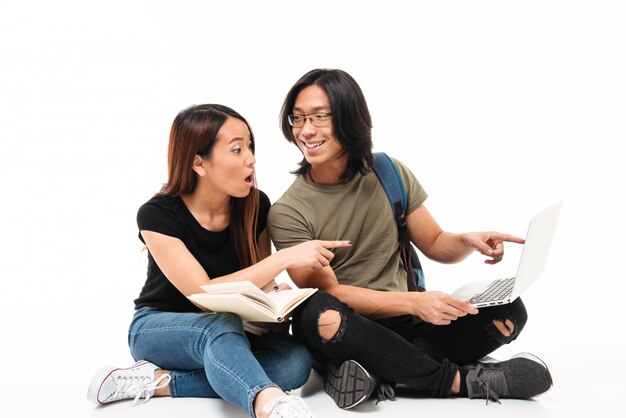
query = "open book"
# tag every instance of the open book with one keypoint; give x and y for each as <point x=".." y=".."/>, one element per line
<point x="249" y="302"/>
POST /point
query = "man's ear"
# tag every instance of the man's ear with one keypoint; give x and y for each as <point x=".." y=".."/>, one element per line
<point x="199" y="165"/>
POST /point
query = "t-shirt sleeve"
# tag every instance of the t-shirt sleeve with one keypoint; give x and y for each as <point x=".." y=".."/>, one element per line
<point x="264" y="208"/>
<point x="416" y="195"/>
<point x="287" y="226"/>
<point x="158" y="217"/>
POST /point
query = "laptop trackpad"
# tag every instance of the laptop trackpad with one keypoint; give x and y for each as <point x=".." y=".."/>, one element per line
<point x="470" y="290"/>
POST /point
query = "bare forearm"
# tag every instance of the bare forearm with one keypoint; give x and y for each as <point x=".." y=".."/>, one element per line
<point x="433" y="241"/>
<point x="260" y="273"/>
<point x="374" y="303"/>
<point x="434" y="307"/>
<point x="449" y="248"/>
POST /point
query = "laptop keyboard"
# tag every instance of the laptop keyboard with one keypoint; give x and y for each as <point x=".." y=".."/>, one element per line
<point x="498" y="289"/>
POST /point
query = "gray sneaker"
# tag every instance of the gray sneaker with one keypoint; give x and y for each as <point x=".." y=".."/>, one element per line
<point x="522" y="376"/>
<point x="349" y="384"/>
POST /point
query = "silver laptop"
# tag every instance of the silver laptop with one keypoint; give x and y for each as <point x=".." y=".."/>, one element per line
<point x="531" y="265"/>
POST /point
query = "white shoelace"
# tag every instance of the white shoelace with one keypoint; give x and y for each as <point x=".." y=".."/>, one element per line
<point x="138" y="386"/>
<point x="287" y="406"/>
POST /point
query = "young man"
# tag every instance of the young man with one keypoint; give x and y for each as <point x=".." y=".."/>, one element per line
<point x="365" y="321"/>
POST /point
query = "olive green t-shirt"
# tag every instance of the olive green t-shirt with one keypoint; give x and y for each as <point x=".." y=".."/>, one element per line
<point x="358" y="211"/>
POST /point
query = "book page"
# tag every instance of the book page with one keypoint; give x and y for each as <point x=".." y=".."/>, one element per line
<point x="247" y="309"/>
<point x="246" y="288"/>
<point x="249" y="302"/>
<point x="285" y="299"/>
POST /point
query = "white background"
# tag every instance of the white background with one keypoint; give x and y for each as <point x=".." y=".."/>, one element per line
<point x="499" y="108"/>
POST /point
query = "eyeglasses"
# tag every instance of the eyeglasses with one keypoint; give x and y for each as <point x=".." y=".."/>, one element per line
<point x="318" y="120"/>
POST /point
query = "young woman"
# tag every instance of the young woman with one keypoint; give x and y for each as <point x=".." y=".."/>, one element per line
<point x="208" y="225"/>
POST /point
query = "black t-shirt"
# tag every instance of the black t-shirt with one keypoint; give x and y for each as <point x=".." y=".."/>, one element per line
<point x="214" y="251"/>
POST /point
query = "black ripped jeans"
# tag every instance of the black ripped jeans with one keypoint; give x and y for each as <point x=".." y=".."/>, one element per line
<point x="423" y="356"/>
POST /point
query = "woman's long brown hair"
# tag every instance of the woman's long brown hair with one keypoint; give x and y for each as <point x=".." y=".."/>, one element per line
<point x="194" y="132"/>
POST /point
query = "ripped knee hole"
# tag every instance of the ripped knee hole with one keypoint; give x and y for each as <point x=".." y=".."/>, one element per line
<point x="507" y="328"/>
<point x="328" y="324"/>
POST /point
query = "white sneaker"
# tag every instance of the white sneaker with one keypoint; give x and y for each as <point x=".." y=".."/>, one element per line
<point x="112" y="384"/>
<point x="287" y="406"/>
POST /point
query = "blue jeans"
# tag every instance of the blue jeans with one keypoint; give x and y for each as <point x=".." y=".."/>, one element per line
<point x="210" y="355"/>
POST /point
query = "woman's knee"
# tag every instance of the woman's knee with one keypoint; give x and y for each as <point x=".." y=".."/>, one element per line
<point x="224" y="322"/>
<point x="218" y="329"/>
<point x="294" y="365"/>
<point x="168" y="338"/>
<point x="300" y="365"/>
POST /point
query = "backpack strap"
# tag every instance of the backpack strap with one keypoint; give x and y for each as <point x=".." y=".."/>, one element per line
<point x="390" y="179"/>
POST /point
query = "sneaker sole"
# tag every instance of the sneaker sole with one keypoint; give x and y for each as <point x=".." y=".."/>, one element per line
<point x="98" y="379"/>
<point x="349" y="384"/>
<point x="486" y="360"/>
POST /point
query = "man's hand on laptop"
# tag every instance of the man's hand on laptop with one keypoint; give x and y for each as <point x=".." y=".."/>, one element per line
<point x="490" y="243"/>
<point x="439" y="308"/>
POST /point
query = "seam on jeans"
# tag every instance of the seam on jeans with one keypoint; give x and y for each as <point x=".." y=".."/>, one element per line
<point x="176" y="375"/>
<point x="172" y="385"/>
<point x="168" y="328"/>
<point x="251" y="394"/>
